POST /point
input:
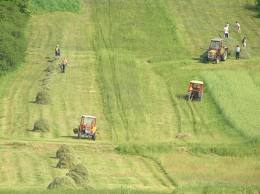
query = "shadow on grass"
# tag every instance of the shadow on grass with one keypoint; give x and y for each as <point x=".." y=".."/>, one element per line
<point x="202" y="58"/>
<point x="182" y="97"/>
<point x="70" y="137"/>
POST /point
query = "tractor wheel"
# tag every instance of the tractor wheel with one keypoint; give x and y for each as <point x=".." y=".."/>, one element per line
<point x="224" y="56"/>
<point x="94" y="137"/>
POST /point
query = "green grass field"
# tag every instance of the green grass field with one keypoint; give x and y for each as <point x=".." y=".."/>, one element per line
<point x="130" y="63"/>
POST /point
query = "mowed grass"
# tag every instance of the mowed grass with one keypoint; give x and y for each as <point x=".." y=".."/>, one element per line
<point x="129" y="64"/>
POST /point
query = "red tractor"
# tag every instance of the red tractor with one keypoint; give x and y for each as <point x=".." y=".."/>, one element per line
<point x="217" y="50"/>
<point x="195" y="90"/>
<point x="87" y="127"/>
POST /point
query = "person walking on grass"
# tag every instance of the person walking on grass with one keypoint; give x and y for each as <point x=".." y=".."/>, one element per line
<point x="244" y="42"/>
<point x="238" y="27"/>
<point x="63" y="65"/>
<point x="226" y="31"/>
<point x="238" y="52"/>
<point x="57" y="51"/>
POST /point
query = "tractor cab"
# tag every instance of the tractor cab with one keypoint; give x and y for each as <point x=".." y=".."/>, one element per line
<point x="195" y="90"/>
<point x="215" y="44"/>
<point x="217" y="50"/>
<point x="87" y="127"/>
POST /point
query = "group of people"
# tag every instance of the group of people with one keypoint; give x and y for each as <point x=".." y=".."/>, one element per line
<point x="64" y="61"/>
<point x="238" y="29"/>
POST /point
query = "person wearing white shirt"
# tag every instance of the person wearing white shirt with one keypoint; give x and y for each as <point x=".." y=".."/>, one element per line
<point x="226" y="31"/>
<point x="237" y="52"/>
<point x="238" y="27"/>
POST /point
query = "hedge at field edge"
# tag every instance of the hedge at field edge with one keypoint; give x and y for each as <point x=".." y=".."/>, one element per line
<point x="14" y="15"/>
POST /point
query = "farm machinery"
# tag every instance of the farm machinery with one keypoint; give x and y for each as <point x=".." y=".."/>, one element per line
<point x="87" y="127"/>
<point x="217" y="50"/>
<point x="195" y="90"/>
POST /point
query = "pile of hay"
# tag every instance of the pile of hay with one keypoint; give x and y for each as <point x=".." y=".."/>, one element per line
<point x="182" y="135"/>
<point x="62" y="183"/>
<point x="41" y="125"/>
<point x="67" y="161"/>
<point x="42" y="97"/>
<point x="79" y="174"/>
<point x="50" y="69"/>
<point x="63" y="150"/>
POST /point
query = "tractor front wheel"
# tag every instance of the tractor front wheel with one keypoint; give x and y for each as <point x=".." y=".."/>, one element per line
<point x="224" y="57"/>
<point x="94" y="137"/>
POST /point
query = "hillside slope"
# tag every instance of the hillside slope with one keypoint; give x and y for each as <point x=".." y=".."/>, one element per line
<point x="129" y="64"/>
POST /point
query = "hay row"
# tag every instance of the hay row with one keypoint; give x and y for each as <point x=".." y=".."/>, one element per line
<point x="77" y="175"/>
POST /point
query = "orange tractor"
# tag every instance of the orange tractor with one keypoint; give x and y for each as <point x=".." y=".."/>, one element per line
<point x="87" y="127"/>
<point x="195" y="90"/>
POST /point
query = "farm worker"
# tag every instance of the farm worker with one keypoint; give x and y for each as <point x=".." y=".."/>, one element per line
<point x="57" y="51"/>
<point x="238" y="27"/>
<point x="227" y="26"/>
<point x="190" y="88"/>
<point x="63" y="65"/>
<point x="244" y="42"/>
<point x="237" y="52"/>
<point x="226" y="31"/>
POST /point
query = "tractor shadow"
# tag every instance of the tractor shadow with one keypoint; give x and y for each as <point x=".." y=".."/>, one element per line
<point x="185" y="97"/>
<point x="182" y="97"/>
<point x="202" y="58"/>
<point x="69" y="137"/>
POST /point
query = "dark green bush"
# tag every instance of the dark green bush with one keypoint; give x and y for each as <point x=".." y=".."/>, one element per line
<point x="14" y="15"/>
<point x="55" y="5"/>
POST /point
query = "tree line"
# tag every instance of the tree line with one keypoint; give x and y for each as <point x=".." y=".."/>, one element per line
<point x="14" y="15"/>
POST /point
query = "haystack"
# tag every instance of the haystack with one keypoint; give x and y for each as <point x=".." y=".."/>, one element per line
<point x="62" y="183"/>
<point x="41" y="125"/>
<point x="79" y="174"/>
<point x="67" y="161"/>
<point x="63" y="150"/>
<point x="42" y="97"/>
<point x="50" y="69"/>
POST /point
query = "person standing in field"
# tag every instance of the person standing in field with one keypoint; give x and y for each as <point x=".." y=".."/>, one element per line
<point x="57" y="51"/>
<point x="238" y="27"/>
<point x="63" y="65"/>
<point x="244" y="42"/>
<point x="238" y="52"/>
<point x="226" y="31"/>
